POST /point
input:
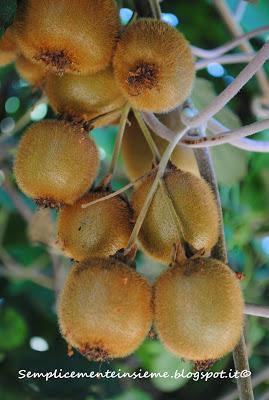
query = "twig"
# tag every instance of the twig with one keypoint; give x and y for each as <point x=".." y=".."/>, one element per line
<point x="225" y="135"/>
<point x="228" y="93"/>
<point x="245" y="144"/>
<point x="236" y="30"/>
<point x="162" y="166"/>
<point x="240" y="10"/>
<point x="238" y="58"/>
<point x="258" y="311"/>
<point x="260" y="377"/>
<point x="225" y="48"/>
<point x="148" y="136"/>
<point x="118" y="143"/>
<point x="20" y="205"/>
<point x="117" y="192"/>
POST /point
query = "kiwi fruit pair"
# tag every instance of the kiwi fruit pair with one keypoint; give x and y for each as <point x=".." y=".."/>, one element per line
<point x="183" y="210"/>
<point x="198" y="309"/>
<point x="56" y="163"/>
<point x="67" y="36"/>
<point x="105" y="309"/>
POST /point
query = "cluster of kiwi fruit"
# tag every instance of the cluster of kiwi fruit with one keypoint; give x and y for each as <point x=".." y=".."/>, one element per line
<point x="90" y="68"/>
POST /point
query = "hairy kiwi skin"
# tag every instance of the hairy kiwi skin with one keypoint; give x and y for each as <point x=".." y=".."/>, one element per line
<point x="198" y="309"/>
<point x="195" y="208"/>
<point x="8" y="48"/>
<point x="137" y="155"/>
<point x="105" y="309"/>
<point x="153" y="66"/>
<point x="32" y="73"/>
<point x="99" y="230"/>
<point x="56" y="163"/>
<point x="68" y="36"/>
<point x="85" y="97"/>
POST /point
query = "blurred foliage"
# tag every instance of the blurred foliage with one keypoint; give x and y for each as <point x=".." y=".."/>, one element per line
<point x="27" y="310"/>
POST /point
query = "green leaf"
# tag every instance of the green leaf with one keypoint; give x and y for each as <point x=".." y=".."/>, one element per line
<point x="155" y="358"/>
<point x="7" y="15"/>
<point x="132" y="394"/>
<point x="13" y="329"/>
<point x="230" y="163"/>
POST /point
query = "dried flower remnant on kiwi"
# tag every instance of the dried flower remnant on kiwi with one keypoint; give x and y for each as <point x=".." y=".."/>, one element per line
<point x="153" y="66"/>
<point x="65" y="37"/>
<point x="143" y="76"/>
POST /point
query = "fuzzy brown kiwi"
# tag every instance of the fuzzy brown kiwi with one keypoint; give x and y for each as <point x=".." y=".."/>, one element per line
<point x="68" y="36"/>
<point x="85" y="97"/>
<point x="198" y="309"/>
<point x="56" y="163"/>
<point x="195" y="219"/>
<point x="153" y="66"/>
<point x="137" y="155"/>
<point x="32" y="73"/>
<point x="99" y="230"/>
<point x="8" y="48"/>
<point x="105" y="309"/>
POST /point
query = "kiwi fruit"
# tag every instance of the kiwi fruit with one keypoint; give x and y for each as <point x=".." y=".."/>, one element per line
<point x="68" y="36"/>
<point x="192" y="220"/>
<point x="30" y="72"/>
<point x="137" y="155"/>
<point x="198" y="309"/>
<point x="85" y="97"/>
<point x="56" y="163"/>
<point x="99" y="230"/>
<point x="153" y="66"/>
<point x="105" y="309"/>
<point x="8" y="48"/>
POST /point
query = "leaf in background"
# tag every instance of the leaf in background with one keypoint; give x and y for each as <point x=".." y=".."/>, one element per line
<point x="7" y="15"/>
<point x="155" y="358"/>
<point x="13" y="329"/>
<point x="230" y="163"/>
<point x="132" y="394"/>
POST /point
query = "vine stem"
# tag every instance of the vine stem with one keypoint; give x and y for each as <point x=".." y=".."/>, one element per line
<point x="225" y="48"/>
<point x="148" y="136"/>
<point x="219" y="252"/>
<point x="224" y="97"/>
<point x="236" y="30"/>
<point x="238" y="58"/>
<point x="161" y="169"/>
<point x="245" y="144"/>
<point x="117" y="147"/>
<point x="223" y="134"/>
<point x="258" y="311"/>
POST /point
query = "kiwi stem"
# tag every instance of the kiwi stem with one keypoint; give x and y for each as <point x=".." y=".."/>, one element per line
<point x="116" y="193"/>
<point x="148" y="137"/>
<point x="157" y="157"/>
<point x="161" y="169"/>
<point x="148" y="8"/>
<point x="117" y="147"/>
